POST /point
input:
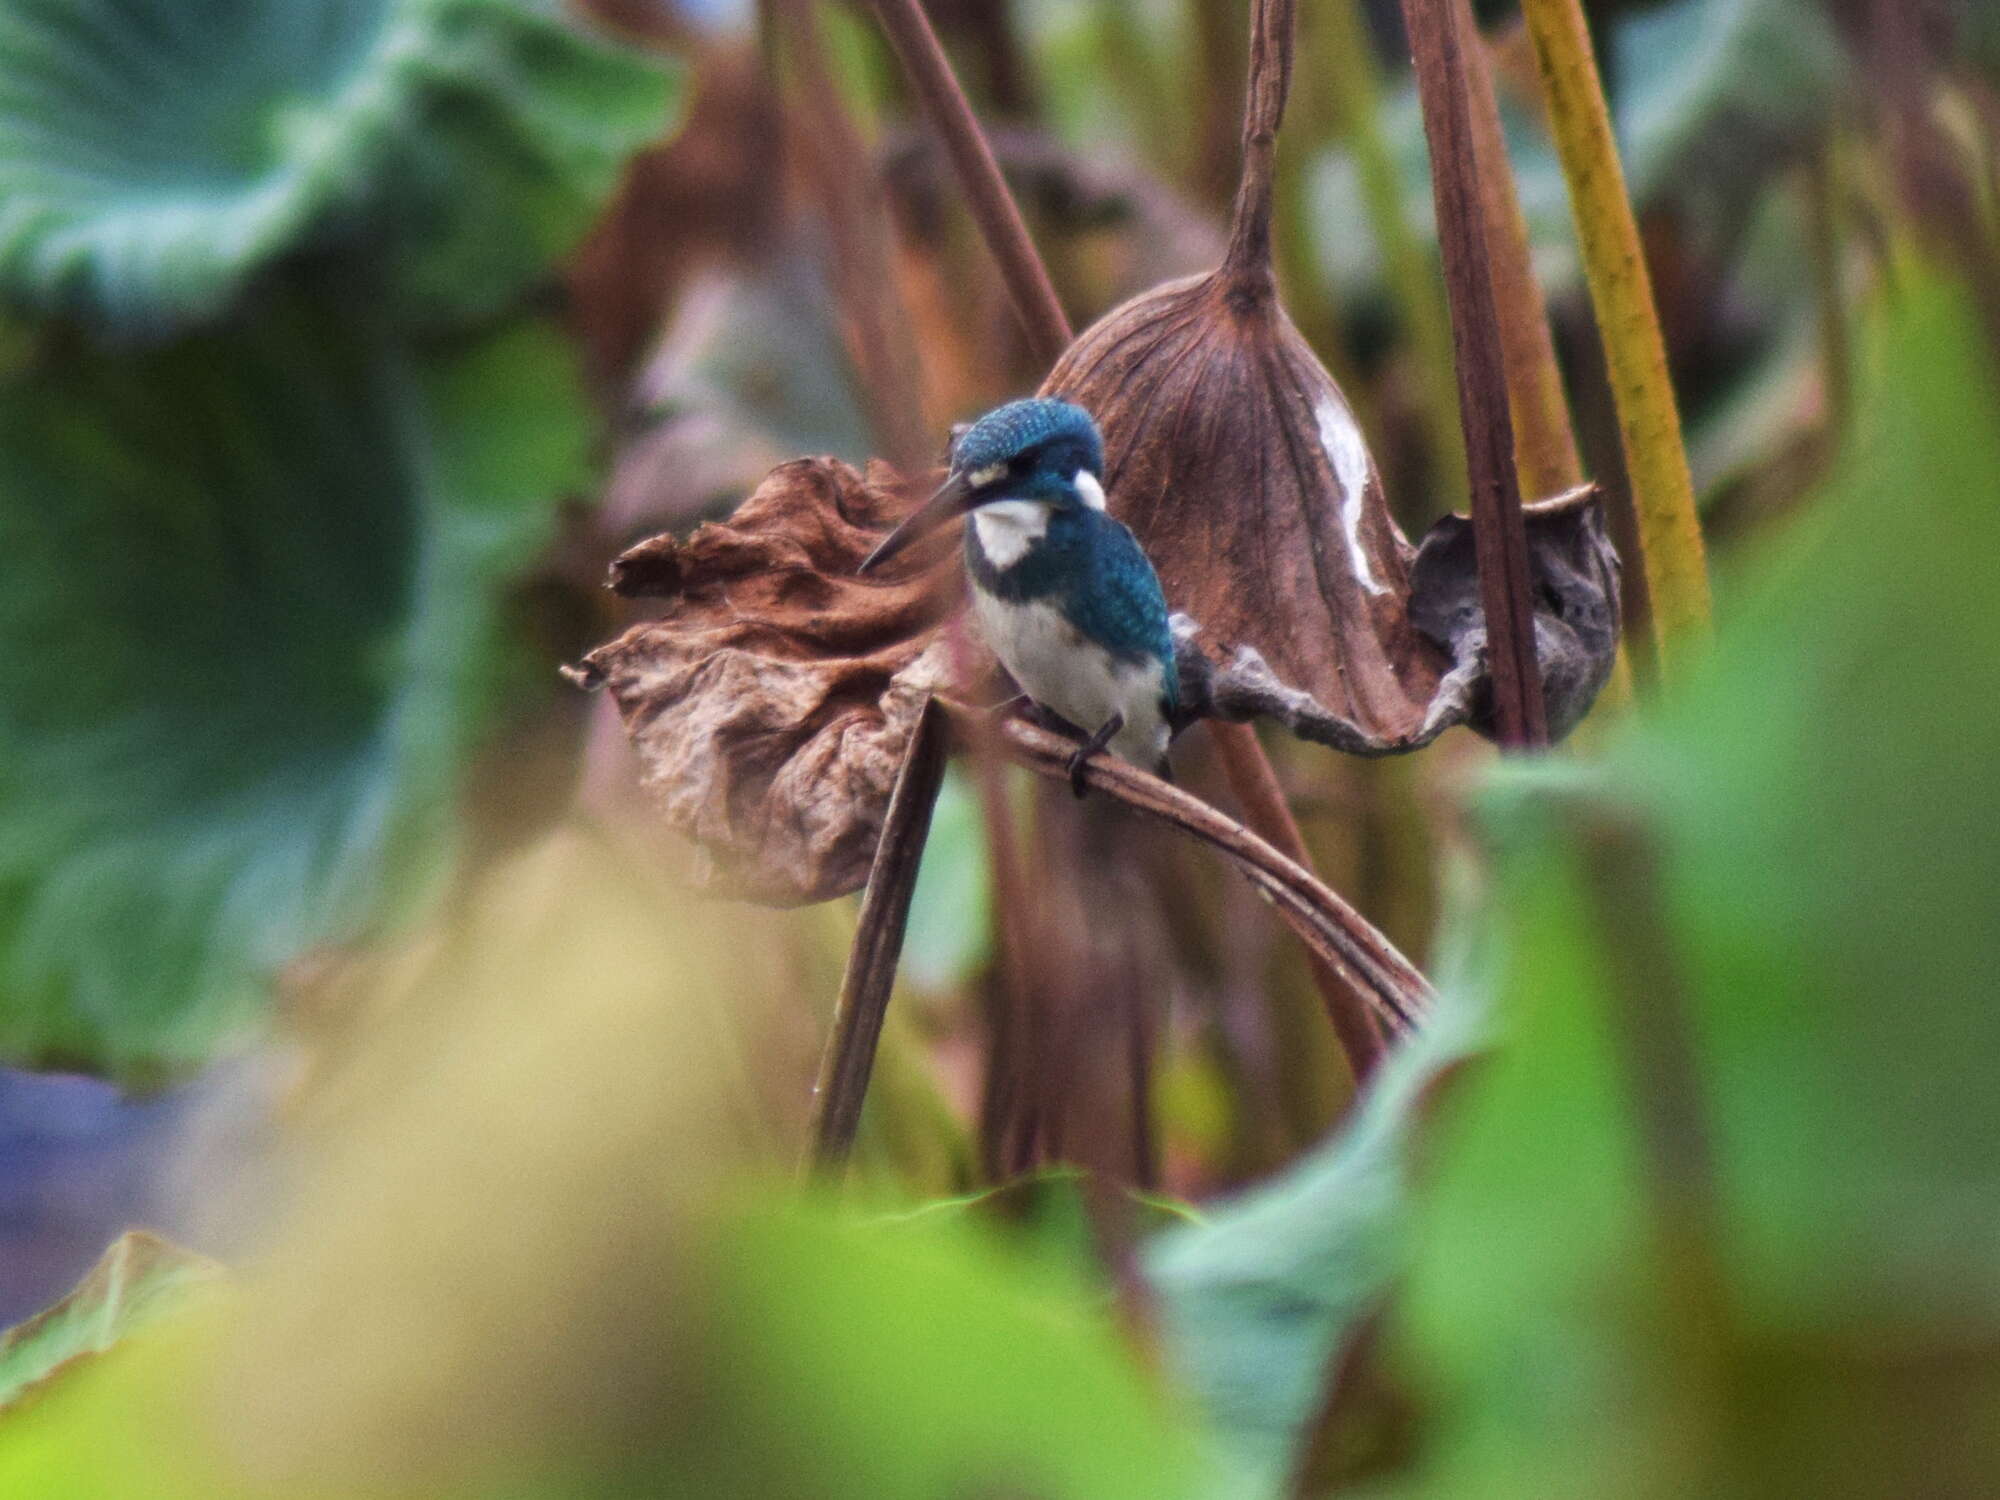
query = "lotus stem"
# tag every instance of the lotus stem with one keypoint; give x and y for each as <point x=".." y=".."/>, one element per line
<point x="1545" y="454"/>
<point x="1669" y="529"/>
<point x="878" y="944"/>
<point x="1440" y="37"/>
<point x="986" y="194"/>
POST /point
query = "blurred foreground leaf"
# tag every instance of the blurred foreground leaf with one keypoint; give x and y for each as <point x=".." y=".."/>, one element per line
<point x="251" y="630"/>
<point x="1778" y="1274"/>
<point x="137" y="1277"/>
<point x="911" y="1366"/>
<point x="157" y="154"/>
<point x="520" y="1260"/>
<point x="1257" y="1297"/>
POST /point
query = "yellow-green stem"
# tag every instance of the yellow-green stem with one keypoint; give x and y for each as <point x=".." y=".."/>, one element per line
<point x="1635" y="353"/>
<point x="1621" y="293"/>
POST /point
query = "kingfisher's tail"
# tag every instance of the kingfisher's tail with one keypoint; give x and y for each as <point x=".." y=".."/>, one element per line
<point x="1165" y="770"/>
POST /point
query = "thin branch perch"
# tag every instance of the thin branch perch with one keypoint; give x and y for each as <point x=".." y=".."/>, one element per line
<point x="1364" y="960"/>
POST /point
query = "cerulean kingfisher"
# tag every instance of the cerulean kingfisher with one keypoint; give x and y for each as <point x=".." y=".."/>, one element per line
<point x="1063" y="593"/>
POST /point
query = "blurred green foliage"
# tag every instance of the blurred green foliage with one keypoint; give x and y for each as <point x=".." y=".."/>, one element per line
<point x="155" y="155"/>
<point x="1804" y="848"/>
<point x="255" y="616"/>
<point x="1257" y="1296"/>
<point x="139" y="1277"/>
<point x="253" y="631"/>
<point x="491" y="1284"/>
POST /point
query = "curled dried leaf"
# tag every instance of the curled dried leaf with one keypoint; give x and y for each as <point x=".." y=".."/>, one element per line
<point x="1574" y="573"/>
<point x="771" y="701"/>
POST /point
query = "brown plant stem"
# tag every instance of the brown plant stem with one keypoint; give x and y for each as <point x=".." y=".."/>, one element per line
<point x="1365" y="961"/>
<point x="839" y="175"/>
<point x="1439" y="41"/>
<point x="878" y="943"/>
<point x="1545" y="455"/>
<point x="986" y="194"/>
<point x="1041" y="314"/>
<point x="1247" y="264"/>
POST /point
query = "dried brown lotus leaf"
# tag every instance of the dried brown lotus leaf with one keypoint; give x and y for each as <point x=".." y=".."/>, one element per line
<point x="770" y="702"/>
<point x="1232" y="454"/>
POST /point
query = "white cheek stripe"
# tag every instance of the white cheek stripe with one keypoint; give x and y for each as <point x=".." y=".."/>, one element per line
<point x="1008" y="528"/>
<point x="981" y="477"/>
<point x="1088" y="487"/>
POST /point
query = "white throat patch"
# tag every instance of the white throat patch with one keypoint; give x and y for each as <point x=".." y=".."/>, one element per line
<point x="1008" y="528"/>
<point x="1088" y="487"/>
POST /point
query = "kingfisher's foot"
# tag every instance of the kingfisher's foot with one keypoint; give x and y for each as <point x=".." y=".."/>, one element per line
<point x="1026" y="709"/>
<point x="1089" y="748"/>
<point x="1076" y="765"/>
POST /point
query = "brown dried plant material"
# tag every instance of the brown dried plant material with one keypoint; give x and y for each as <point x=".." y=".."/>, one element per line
<point x="1233" y="455"/>
<point x="1575" y="580"/>
<point x="771" y="702"/>
<point x="773" y="699"/>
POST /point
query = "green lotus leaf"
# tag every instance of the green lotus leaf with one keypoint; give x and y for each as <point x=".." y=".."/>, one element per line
<point x="136" y="1279"/>
<point x="249" y="634"/>
<point x="155" y="155"/>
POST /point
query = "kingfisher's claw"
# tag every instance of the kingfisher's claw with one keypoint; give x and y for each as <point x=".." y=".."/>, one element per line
<point x="1076" y="764"/>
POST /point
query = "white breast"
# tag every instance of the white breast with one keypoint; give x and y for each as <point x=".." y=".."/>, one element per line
<point x="1078" y="679"/>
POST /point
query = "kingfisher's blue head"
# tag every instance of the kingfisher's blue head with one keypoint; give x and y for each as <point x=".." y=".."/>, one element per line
<point x="1038" y="449"/>
<point x="1015" y="446"/>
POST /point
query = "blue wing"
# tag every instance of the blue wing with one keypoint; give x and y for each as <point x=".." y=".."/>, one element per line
<point x="1124" y="609"/>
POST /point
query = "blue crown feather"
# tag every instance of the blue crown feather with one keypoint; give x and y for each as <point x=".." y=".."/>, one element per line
<point x="1039" y="426"/>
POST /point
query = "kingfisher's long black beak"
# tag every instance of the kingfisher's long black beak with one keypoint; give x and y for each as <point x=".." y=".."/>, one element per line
<point x="953" y="499"/>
